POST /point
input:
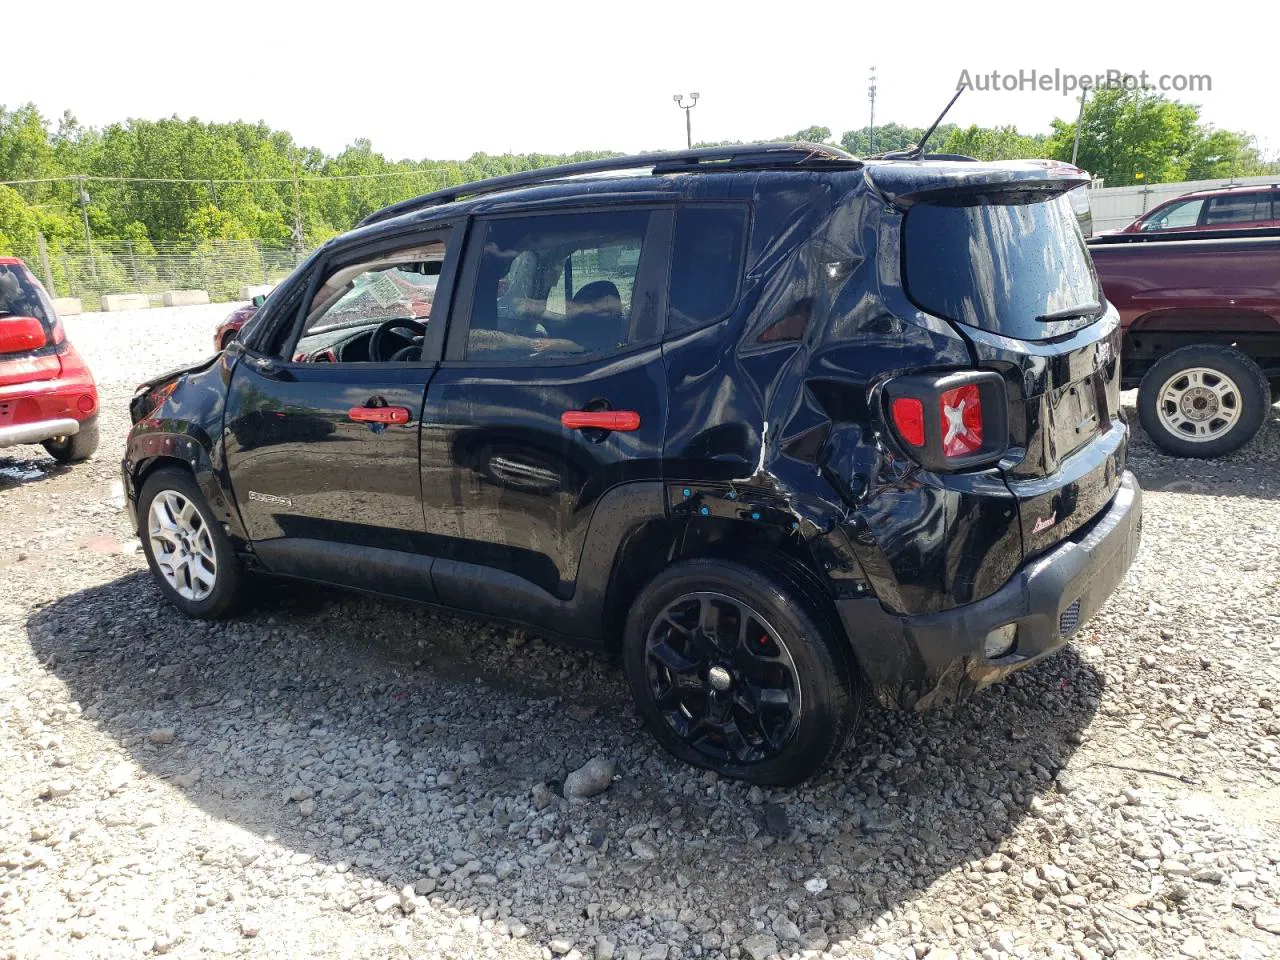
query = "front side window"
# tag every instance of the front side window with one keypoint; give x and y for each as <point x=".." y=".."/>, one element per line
<point x="1179" y="216"/>
<point x="559" y="286"/>
<point x="373" y="311"/>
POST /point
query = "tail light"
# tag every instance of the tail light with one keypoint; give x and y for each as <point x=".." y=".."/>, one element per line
<point x="147" y="400"/>
<point x="949" y="421"/>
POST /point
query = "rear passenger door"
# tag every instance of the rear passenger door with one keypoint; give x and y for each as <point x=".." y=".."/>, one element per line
<point x="551" y="394"/>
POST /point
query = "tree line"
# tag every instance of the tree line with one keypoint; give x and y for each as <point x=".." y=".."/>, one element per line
<point x="169" y="182"/>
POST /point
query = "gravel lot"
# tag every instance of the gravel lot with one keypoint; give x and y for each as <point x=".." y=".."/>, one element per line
<point x="337" y="776"/>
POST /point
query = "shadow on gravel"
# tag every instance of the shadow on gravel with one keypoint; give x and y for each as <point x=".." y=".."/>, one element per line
<point x="420" y="739"/>
<point x="1251" y="471"/>
<point x="19" y="470"/>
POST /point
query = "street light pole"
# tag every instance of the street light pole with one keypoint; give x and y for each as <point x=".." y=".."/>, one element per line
<point x="688" y="124"/>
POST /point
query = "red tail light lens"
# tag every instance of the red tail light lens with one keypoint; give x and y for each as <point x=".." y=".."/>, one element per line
<point x="960" y="410"/>
<point x="908" y="418"/>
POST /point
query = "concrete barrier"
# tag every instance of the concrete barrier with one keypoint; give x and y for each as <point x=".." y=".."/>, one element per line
<point x="249" y="291"/>
<point x="68" y="306"/>
<point x="184" y="298"/>
<point x="125" y="301"/>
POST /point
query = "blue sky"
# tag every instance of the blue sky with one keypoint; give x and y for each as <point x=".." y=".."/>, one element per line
<point x="422" y="81"/>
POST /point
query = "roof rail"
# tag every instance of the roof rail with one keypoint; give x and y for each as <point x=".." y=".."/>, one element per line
<point x="775" y="155"/>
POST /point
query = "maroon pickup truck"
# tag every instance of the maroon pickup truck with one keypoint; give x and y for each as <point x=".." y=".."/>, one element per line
<point x="1201" y="319"/>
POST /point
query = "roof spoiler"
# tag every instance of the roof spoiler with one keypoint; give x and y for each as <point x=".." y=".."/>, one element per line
<point x="903" y="184"/>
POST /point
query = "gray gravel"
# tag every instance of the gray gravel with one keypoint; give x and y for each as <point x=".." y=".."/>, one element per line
<point x="337" y="776"/>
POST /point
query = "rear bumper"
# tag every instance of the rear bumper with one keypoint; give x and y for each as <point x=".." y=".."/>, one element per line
<point x="38" y="432"/>
<point x="915" y="662"/>
<point x="33" y="410"/>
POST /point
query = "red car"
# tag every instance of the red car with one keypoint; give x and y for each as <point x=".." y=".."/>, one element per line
<point x="47" y="394"/>
<point x="229" y="328"/>
<point x="1231" y="208"/>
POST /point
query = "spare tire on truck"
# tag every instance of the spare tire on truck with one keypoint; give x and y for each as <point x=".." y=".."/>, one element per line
<point x="1203" y="400"/>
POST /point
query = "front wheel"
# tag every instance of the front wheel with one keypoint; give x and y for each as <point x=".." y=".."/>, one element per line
<point x="739" y="672"/>
<point x="1203" y="400"/>
<point x="190" y="555"/>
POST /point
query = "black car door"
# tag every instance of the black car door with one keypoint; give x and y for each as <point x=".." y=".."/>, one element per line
<point x="322" y="422"/>
<point x="552" y="394"/>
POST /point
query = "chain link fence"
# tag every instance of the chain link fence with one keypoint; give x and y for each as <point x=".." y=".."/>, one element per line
<point x="220" y="267"/>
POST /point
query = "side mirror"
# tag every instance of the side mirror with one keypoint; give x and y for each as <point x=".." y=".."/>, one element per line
<point x="19" y="334"/>
<point x="259" y="300"/>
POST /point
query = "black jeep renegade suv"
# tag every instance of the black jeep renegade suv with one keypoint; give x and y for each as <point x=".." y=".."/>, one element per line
<point x="784" y="428"/>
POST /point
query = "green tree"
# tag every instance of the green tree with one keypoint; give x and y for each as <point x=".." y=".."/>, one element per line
<point x="891" y="136"/>
<point x="994" y="143"/>
<point x="810" y="135"/>
<point x="1138" y="135"/>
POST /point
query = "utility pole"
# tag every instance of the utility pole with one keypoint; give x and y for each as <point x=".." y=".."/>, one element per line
<point x="88" y="236"/>
<point x="688" y="124"/>
<point x="871" y="95"/>
<point x="1075" y="147"/>
<point x="44" y="261"/>
<point x="297" y="211"/>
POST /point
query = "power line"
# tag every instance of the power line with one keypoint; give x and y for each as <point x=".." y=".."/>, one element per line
<point x="205" y="181"/>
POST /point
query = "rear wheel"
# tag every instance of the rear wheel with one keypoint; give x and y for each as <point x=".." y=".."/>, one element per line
<point x="737" y="671"/>
<point x="190" y="556"/>
<point x="1203" y="400"/>
<point x="79" y="446"/>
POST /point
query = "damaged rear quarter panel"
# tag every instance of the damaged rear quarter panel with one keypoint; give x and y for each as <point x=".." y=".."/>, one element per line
<point x="770" y="407"/>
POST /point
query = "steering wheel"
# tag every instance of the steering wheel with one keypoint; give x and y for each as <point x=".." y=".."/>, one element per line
<point x="381" y="351"/>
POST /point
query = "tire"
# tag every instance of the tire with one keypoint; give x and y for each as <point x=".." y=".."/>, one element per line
<point x="799" y="656"/>
<point x="1231" y="388"/>
<point x="188" y="589"/>
<point x="77" y="447"/>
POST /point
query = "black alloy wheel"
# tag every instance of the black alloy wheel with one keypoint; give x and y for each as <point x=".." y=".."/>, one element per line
<point x="741" y="669"/>
<point x="723" y="678"/>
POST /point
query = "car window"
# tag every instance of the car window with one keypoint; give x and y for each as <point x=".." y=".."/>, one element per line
<point x="706" y="264"/>
<point x="1179" y="216"/>
<point x="20" y="296"/>
<point x="1018" y="268"/>
<point x="1239" y="208"/>
<point x="558" y="286"/>
<point x="373" y="311"/>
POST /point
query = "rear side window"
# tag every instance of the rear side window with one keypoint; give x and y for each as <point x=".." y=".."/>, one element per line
<point x="557" y="287"/>
<point x="1020" y="269"/>
<point x="706" y="264"/>
<point x="1240" y="208"/>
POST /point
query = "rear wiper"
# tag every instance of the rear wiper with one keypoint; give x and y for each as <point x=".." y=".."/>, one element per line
<point x="1070" y="313"/>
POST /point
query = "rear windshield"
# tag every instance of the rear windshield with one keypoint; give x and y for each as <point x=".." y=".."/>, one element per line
<point x="1018" y="268"/>
<point x="19" y="297"/>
